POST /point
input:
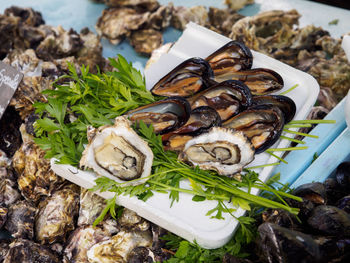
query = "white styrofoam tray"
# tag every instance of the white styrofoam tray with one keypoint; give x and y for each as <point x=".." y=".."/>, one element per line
<point x="187" y="218"/>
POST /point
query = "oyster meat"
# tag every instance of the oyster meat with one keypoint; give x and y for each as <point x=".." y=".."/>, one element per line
<point x="224" y="150"/>
<point x="119" y="153"/>
<point x="131" y="221"/>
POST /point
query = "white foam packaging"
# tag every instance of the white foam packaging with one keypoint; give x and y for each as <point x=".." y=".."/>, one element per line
<point x="187" y="218"/>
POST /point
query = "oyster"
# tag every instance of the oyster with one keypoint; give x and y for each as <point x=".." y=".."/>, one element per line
<point x="201" y="120"/>
<point x="141" y="255"/>
<point x="27" y="251"/>
<point x="183" y="15"/>
<point x="184" y="80"/>
<point x="146" y="40"/>
<point x="91" y="206"/>
<point x="8" y="192"/>
<point x="222" y="20"/>
<point x="161" y="18"/>
<point x="3" y="216"/>
<point x="131" y="221"/>
<point x="224" y="150"/>
<point x="4" y="248"/>
<point x="116" y="23"/>
<point x="26" y="15"/>
<point x="157" y="53"/>
<point x="262" y="124"/>
<point x="81" y="240"/>
<point x="238" y="4"/>
<point x="232" y="57"/>
<point x="149" y="5"/>
<point x="36" y="178"/>
<point x="118" y="247"/>
<point x="119" y="153"/>
<point x="20" y="221"/>
<point x="56" y="215"/>
<point x="228" y="98"/>
<point x="165" y="115"/>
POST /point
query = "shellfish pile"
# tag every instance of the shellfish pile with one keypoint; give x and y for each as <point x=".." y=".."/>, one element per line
<point x="218" y="113"/>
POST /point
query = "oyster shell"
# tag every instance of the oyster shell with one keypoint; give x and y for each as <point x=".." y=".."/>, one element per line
<point x="183" y="15"/>
<point x="116" y="23"/>
<point x="238" y="4"/>
<point x="131" y="221"/>
<point x="8" y="192"/>
<point x="81" y="240"/>
<point x="119" y="153"/>
<point x="149" y="5"/>
<point x="56" y="215"/>
<point x="20" y="220"/>
<point x="36" y="178"/>
<point x="146" y="40"/>
<point x="10" y="137"/>
<point x="27" y="251"/>
<point x="4" y="248"/>
<point x="91" y="206"/>
<point x="118" y="247"/>
<point x="224" y="150"/>
<point x="3" y="216"/>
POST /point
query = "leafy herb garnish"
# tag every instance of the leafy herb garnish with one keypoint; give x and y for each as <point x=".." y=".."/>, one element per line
<point x="84" y="100"/>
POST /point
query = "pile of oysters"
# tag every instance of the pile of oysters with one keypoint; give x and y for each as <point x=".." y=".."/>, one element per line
<point x="216" y="115"/>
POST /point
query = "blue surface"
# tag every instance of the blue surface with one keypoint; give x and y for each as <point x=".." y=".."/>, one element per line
<point x="299" y="161"/>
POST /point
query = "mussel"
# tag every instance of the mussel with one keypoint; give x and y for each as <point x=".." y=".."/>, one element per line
<point x="279" y="244"/>
<point x="286" y="104"/>
<point x="262" y="124"/>
<point x="232" y="57"/>
<point x="165" y="115"/>
<point x="330" y="220"/>
<point x="228" y="98"/>
<point x="314" y="192"/>
<point x="201" y="120"/>
<point x="342" y="175"/>
<point x="344" y="204"/>
<point x="188" y="78"/>
<point x="260" y="81"/>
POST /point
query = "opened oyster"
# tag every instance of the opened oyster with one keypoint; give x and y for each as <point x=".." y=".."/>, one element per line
<point x="119" y="153"/>
<point x="224" y="150"/>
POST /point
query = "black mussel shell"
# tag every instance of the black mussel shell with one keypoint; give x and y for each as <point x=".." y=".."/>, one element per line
<point x="305" y="208"/>
<point x="286" y="104"/>
<point x="165" y="115"/>
<point x="342" y="174"/>
<point x="188" y="78"/>
<point x="228" y="98"/>
<point x="314" y="192"/>
<point x="344" y="204"/>
<point x="231" y="57"/>
<point x="201" y="120"/>
<point x="262" y="124"/>
<point x="280" y="217"/>
<point x="334" y="191"/>
<point x="330" y="220"/>
<point x="334" y="249"/>
<point x="279" y="244"/>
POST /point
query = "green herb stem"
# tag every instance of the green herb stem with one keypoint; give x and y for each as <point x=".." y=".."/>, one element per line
<point x="307" y="125"/>
<point x="289" y="90"/>
<point x="301" y="133"/>
<point x="312" y="121"/>
<point x="278" y="158"/>
<point x="286" y="149"/>
<point x="292" y="139"/>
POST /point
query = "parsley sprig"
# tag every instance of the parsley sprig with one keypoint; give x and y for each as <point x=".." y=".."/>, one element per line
<point x="85" y="99"/>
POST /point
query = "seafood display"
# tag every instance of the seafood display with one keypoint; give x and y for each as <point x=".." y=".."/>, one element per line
<point x="217" y="113"/>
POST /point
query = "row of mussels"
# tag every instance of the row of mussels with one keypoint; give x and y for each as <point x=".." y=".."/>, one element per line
<point x="45" y="219"/>
<point x="320" y="233"/>
<point x="221" y="90"/>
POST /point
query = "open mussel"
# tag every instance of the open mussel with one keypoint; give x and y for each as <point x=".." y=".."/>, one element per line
<point x="201" y="120"/>
<point x="286" y="104"/>
<point x="262" y="124"/>
<point x="261" y="81"/>
<point x="164" y="115"/>
<point x="314" y="192"/>
<point x="188" y="78"/>
<point x="228" y="98"/>
<point x="233" y="56"/>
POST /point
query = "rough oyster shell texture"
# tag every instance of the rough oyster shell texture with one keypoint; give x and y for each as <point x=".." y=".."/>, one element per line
<point x="35" y="177"/>
<point x="56" y="216"/>
<point x="119" y="153"/>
